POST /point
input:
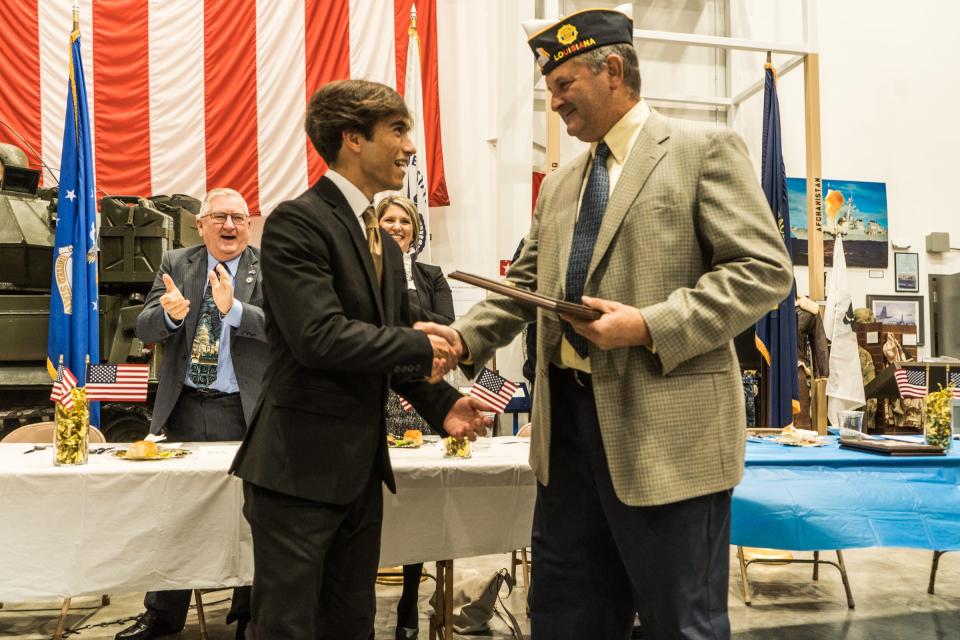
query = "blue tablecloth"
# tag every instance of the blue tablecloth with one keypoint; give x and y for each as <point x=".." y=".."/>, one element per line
<point x="832" y="498"/>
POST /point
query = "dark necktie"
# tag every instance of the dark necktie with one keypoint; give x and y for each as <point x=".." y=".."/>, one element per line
<point x="594" y="203"/>
<point x="206" y="341"/>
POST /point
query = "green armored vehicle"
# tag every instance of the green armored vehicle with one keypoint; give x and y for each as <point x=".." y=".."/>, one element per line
<point x="134" y="234"/>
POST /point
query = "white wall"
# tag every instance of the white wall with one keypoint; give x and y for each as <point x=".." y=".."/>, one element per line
<point x="486" y="96"/>
<point x="888" y="114"/>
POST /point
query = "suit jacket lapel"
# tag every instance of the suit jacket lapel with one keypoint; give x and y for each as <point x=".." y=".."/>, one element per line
<point x="388" y="293"/>
<point x="568" y="194"/>
<point x="195" y="279"/>
<point x="247" y="269"/>
<point x="342" y="212"/>
<point x="643" y="159"/>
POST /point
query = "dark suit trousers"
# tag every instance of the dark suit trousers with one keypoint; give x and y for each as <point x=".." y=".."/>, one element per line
<point x="599" y="561"/>
<point x="315" y="564"/>
<point x="197" y="419"/>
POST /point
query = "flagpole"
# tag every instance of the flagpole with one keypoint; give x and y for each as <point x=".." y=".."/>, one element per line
<point x="811" y="100"/>
<point x="76" y="16"/>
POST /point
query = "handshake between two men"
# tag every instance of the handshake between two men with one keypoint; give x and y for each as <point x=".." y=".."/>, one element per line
<point x="466" y="419"/>
<point x="620" y="326"/>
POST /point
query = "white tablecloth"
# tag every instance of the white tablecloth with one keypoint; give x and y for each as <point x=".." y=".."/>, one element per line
<point x="113" y="525"/>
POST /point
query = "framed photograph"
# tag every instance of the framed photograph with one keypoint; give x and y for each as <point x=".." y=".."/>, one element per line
<point x="907" y="271"/>
<point x="899" y="310"/>
<point x="855" y="207"/>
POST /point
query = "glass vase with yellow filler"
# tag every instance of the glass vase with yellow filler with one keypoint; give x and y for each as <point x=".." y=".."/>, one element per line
<point x="72" y="431"/>
<point x="937" y="429"/>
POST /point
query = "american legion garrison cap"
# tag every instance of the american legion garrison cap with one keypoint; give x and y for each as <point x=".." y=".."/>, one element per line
<point x="555" y="42"/>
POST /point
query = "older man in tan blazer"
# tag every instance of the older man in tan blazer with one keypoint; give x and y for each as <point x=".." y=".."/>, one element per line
<point x="638" y="419"/>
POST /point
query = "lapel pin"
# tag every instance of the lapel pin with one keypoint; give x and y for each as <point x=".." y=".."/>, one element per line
<point x="249" y="279"/>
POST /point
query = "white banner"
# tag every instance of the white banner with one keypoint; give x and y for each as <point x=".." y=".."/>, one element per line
<point x="845" y="384"/>
<point x="415" y="186"/>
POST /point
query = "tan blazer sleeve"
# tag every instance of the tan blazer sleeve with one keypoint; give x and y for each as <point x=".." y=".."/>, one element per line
<point x="749" y="270"/>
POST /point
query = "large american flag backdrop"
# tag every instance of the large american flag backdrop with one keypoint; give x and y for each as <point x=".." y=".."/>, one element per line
<point x="187" y="95"/>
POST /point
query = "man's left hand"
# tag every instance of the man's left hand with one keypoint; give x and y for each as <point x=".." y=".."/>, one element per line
<point x="466" y="419"/>
<point x="221" y="288"/>
<point x="620" y="325"/>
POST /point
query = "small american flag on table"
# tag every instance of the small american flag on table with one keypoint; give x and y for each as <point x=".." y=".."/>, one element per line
<point x="955" y="381"/>
<point x="118" y="382"/>
<point x="493" y="390"/>
<point x="62" y="386"/>
<point x="912" y="383"/>
<point x="406" y="406"/>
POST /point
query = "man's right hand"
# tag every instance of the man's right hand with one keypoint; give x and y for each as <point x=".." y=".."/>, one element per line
<point x="173" y="301"/>
<point x="444" y="360"/>
<point x="451" y="336"/>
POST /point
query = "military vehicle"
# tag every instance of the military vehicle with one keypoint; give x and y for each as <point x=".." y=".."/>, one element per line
<point x="134" y="234"/>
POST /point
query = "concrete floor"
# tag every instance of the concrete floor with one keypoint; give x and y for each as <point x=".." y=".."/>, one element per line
<point x="889" y="585"/>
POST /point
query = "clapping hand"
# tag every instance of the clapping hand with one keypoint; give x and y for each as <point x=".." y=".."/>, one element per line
<point x="221" y="288"/>
<point x="620" y="325"/>
<point x="466" y="419"/>
<point x="173" y="301"/>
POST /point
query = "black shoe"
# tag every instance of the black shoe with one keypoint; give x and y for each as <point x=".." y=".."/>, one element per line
<point x="147" y="627"/>
<point x="407" y="633"/>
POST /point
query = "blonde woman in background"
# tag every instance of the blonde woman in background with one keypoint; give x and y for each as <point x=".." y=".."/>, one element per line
<point x="430" y="297"/>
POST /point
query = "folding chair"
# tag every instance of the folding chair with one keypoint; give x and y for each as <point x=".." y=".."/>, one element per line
<point x="816" y="562"/>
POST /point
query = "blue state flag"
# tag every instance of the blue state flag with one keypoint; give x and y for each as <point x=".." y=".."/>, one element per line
<point x="776" y="334"/>
<point x="74" y="332"/>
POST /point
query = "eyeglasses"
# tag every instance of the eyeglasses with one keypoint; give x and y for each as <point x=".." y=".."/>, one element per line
<point x="219" y="219"/>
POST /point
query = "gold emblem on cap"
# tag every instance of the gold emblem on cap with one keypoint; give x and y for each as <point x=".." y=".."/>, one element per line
<point x="566" y="34"/>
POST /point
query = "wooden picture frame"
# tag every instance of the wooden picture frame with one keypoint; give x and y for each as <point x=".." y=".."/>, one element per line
<point x="898" y="310"/>
<point x="906" y="272"/>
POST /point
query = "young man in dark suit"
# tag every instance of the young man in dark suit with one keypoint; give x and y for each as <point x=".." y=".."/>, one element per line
<point x="205" y="308"/>
<point x="337" y="318"/>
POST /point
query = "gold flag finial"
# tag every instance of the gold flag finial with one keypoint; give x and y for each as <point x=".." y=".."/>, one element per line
<point x="76" y="16"/>
<point x="769" y="65"/>
<point x="413" y="17"/>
